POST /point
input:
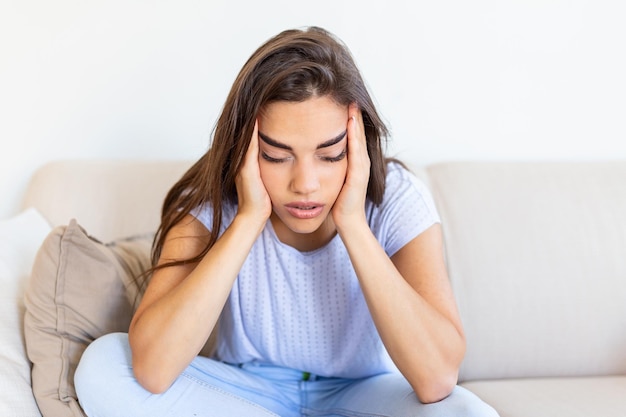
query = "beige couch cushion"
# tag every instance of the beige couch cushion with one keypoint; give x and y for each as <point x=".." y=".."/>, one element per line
<point x="555" y="397"/>
<point x="79" y="290"/>
<point x="537" y="258"/>
<point x="112" y="198"/>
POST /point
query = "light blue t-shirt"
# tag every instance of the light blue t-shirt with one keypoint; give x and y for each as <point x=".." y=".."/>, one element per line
<point x="306" y="310"/>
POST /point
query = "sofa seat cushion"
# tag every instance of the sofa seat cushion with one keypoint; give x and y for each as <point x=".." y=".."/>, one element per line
<point x="552" y="397"/>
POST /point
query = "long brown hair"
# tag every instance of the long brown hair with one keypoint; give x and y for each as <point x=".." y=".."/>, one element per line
<point x="295" y="65"/>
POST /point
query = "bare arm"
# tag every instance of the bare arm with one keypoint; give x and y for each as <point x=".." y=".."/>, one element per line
<point x="182" y="303"/>
<point x="409" y="295"/>
<point x="412" y="305"/>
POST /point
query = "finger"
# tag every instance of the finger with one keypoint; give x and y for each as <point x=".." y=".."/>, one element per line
<point x="352" y="119"/>
<point x="353" y="110"/>
<point x="251" y="155"/>
<point x="357" y="145"/>
<point x="253" y="148"/>
<point x="352" y="126"/>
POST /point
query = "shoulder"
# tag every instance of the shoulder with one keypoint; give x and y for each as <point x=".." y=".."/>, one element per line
<point x="205" y="212"/>
<point x="401" y="184"/>
<point x="406" y="210"/>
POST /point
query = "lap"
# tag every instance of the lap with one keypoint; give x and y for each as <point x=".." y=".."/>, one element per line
<point x="391" y="395"/>
<point x="106" y="386"/>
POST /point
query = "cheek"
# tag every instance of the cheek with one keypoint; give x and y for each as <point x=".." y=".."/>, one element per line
<point x="270" y="177"/>
<point x="337" y="176"/>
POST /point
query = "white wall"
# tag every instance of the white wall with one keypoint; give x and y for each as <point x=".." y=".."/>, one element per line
<point x="456" y="79"/>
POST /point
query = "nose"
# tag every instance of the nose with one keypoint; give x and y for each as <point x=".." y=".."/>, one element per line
<point x="304" y="178"/>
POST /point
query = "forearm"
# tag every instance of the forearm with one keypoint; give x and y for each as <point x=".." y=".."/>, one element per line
<point x="424" y="344"/>
<point x="167" y="335"/>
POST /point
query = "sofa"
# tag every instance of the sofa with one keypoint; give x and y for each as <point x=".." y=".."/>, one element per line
<point x="536" y="254"/>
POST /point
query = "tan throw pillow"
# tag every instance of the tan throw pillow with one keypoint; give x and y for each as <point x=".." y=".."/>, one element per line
<point x="79" y="289"/>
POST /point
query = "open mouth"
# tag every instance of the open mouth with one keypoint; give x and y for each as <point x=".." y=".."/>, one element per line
<point x="304" y="210"/>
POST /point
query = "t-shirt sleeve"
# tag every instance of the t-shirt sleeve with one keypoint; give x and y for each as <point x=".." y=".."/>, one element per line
<point x="406" y="211"/>
<point x="204" y="214"/>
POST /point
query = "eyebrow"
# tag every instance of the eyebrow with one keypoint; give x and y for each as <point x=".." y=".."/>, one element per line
<point x="326" y="144"/>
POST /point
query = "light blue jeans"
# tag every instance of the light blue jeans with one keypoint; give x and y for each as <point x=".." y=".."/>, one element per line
<point x="106" y="387"/>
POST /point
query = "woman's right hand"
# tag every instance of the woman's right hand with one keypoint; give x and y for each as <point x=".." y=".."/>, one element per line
<point x="253" y="199"/>
<point x="184" y="302"/>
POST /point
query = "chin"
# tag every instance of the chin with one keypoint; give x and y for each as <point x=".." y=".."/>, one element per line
<point x="303" y="227"/>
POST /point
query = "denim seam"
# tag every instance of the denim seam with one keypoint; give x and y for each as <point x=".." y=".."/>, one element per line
<point x="342" y="412"/>
<point x="216" y="388"/>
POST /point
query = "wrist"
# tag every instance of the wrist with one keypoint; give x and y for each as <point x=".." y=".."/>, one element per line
<point x="250" y="221"/>
<point x="352" y="227"/>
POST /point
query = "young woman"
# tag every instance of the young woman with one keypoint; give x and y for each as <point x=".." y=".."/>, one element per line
<point x="321" y="260"/>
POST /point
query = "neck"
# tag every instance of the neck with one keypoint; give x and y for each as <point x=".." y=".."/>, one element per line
<point x="304" y="242"/>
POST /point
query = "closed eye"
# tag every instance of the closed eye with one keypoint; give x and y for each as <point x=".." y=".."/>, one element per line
<point x="335" y="158"/>
<point x="273" y="160"/>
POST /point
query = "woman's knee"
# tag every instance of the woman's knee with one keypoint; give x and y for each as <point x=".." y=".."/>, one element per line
<point x="102" y="357"/>
<point x="103" y="368"/>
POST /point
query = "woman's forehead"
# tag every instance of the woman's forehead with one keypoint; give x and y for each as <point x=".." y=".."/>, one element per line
<point x="318" y="119"/>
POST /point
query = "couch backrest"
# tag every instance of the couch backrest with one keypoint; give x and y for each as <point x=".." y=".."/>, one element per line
<point x="537" y="257"/>
<point x="536" y="251"/>
<point x="109" y="198"/>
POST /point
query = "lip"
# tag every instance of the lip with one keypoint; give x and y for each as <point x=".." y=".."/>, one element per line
<point x="304" y="209"/>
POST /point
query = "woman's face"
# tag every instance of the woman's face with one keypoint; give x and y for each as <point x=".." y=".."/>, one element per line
<point x="303" y="164"/>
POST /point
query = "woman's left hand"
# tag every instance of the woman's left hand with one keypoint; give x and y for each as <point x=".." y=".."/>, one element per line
<point x="349" y="209"/>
